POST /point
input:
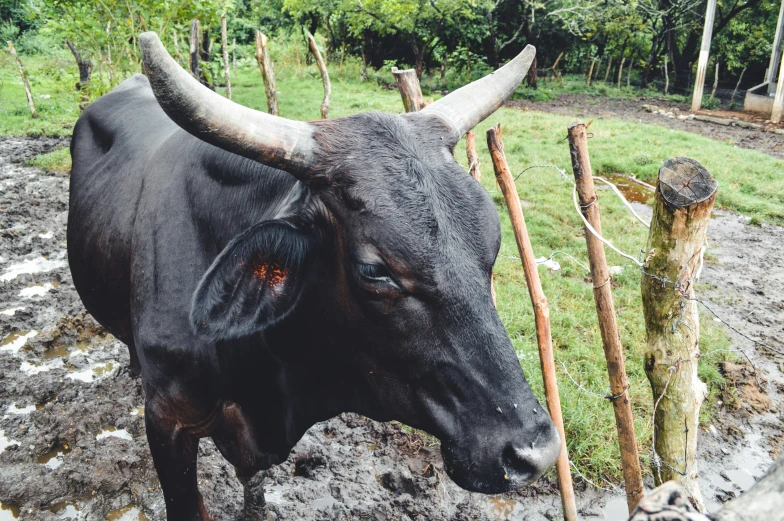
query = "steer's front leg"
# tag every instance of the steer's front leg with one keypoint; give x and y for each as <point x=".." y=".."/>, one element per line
<point x="174" y="449"/>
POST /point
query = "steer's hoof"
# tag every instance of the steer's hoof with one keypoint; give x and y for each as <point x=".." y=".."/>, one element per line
<point x="255" y="506"/>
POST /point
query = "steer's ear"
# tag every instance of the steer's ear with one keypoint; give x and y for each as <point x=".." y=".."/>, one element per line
<point x="255" y="282"/>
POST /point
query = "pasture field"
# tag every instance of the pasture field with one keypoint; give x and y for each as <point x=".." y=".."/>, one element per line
<point x="749" y="183"/>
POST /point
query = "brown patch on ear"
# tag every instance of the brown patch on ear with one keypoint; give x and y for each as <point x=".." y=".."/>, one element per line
<point x="271" y="273"/>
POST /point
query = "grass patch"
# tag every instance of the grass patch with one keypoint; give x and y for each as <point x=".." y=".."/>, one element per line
<point x="57" y="161"/>
<point x="749" y="182"/>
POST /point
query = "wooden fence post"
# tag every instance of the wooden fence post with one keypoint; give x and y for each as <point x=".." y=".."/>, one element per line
<point x="541" y="312"/>
<point x="410" y="91"/>
<point x="602" y="294"/>
<point x="609" y="68"/>
<point x="676" y="241"/>
<point x="666" y="77"/>
<point x="590" y="71"/>
<point x="26" y="83"/>
<point x="473" y="158"/>
<point x="324" y="76"/>
<point x="267" y="74"/>
<point x="620" y="72"/>
<point x="225" y="52"/>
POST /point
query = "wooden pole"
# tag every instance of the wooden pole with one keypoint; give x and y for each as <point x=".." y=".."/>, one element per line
<point x="629" y="74"/>
<point x="194" y="49"/>
<point x="267" y="74"/>
<point x="472" y="156"/>
<point x="602" y="294"/>
<point x="225" y="51"/>
<point x="324" y="76"/>
<point x="684" y="199"/>
<point x="702" y="64"/>
<point x="541" y="312"/>
<point x="778" y="101"/>
<point x="609" y="67"/>
<point x="666" y="77"/>
<point x="620" y="72"/>
<point x="590" y="71"/>
<point x="737" y="85"/>
<point x="26" y="83"/>
<point x="554" y="69"/>
<point x="715" y="82"/>
<point x="410" y="91"/>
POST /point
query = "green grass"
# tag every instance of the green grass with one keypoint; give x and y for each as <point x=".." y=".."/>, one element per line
<point x="749" y="182"/>
<point x="56" y="161"/>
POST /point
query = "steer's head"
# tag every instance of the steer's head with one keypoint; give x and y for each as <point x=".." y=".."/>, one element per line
<point x="398" y="244"/>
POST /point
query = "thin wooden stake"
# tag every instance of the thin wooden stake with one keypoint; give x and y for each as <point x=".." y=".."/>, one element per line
<point x="666" y="77"/>
<point x="324" y="76"/>
<point x="702" y="63"/>
<point x="590" y="71"/>
<point x="26" y="83"/>
<point x="473" y="158"/>
<point x="225" y="52"/>
<point x="541" y="313"/>
<point x="194" y="49"/>
<point x="609" y="68"/>
<point x="620" y="72"/>
<point x="602" y="294"/>
<point x="740" y="79"/>
<point x="267" y="74"/>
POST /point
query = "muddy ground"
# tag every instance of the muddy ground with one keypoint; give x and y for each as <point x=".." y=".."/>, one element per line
<point x="72" y="440"/>
<point x="586" y="107"/>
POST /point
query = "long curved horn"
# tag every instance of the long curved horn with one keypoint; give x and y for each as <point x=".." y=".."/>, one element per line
<point x="464" y="108"/>
<point x="271" y="140"/>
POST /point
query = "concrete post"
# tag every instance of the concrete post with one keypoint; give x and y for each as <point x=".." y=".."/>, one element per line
<point x="775" y="55"/>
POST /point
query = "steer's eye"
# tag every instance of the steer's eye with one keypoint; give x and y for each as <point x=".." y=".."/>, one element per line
<point x="376" y="278"/>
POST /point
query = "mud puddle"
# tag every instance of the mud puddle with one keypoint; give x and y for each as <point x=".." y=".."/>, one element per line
<point x="72" y="439"/>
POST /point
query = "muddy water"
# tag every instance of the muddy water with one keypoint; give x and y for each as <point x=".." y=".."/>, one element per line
<point x="88" y="415"/>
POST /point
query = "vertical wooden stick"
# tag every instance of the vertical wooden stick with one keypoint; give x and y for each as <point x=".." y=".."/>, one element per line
<point x="177" y="54"/>
<point x="267" y="74"/>
<point x="194" y="49"/>
<point x="473" y="158"/>
<point x="410" y="91"/>
<point x="26" y="83"/>
<point x="740" y="79"/>
<point x="620" y="71"/>
<point x="609" y="68"/>
<point x="590" y="71"/>
<point x="666" y="77"/>
<point x="602" y="294"/>
<point x="225" y="51"/>
<point x="715" y="81"/>
<point x="684" y="199"/>
<point x="541" y="312"/>
<point x="324" y="76"/>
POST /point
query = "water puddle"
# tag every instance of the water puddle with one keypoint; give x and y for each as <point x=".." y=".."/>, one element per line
<point x="77" y="349"/>
<point x="13" y="409"/>
<point x="503" y="509"/>
<point x="5" y="442"/>
<point x="274" y="493"/>
<point x="38" y="290"/>
<point x="324" y="502"/>
<point x="93" y="372"/>
<point x="46" y="235"/>
<point x="137" y="411"/>
<point x="739" y="470"/>
<point x="16" y="340"/>
<point x="11" y="311"/>
<point x="54" y="458"/>
<point x="114" y="432"/>
<point x="127" y="513"/>
<point x="629" y="187"/>
<point x="29" y="266"/>
<point x="9" y="512"/>
<point x="32" y="369"/>
<point x="67" y="511"/>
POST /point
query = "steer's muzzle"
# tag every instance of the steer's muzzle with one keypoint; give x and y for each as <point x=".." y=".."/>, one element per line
<point x="495" y="462"/>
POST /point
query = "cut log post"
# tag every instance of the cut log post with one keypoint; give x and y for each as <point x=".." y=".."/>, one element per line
<point x="410" y="91"/>
<point x="194" y="50"/>
<point x="85" y="66"/>
<point x="267" y="74"/>
<point x="602" y="294"/>
<point x="702" y="63"/>
<point x="764" y="500"/>
<point x="225" y="52"/>
<point x="541" y="312"/>
<point x="322" y="67"/>
<point x="473" y="158"/>
<point x="590" y="71"/>
<point x="28" y="92"/>
<point x="676" y="241"/>
<point x="620" y="72"/>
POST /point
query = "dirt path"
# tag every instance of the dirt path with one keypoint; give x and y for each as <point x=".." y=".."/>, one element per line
<point x="586" y="107"/>
<point x="72" y="439"/>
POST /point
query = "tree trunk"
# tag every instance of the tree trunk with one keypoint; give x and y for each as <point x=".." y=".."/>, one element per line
<point x="605" y="309"/>
<point x="324" y="76"/>
<point x="194" y="50"/>
<point x="225" y="52"/>
<point x="620" y="72"/>
<point x="26" y="83"/>
<point x="554" y="68"/>
<point x="684" y="199"/>
<point x="267" y="74"/>
<point x="85" y="66"/>
<point x="410" y="91"/>
<point x="629" y="74"/>
<point x="666" y="77"/>
<point x="715" y="82"/>
<point x="532" y="74"/>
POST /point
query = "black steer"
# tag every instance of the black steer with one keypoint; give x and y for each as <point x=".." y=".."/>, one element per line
<point x="268" y="274"/>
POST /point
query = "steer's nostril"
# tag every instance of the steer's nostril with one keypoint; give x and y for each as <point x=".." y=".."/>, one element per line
<point x="526" y="463"/>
